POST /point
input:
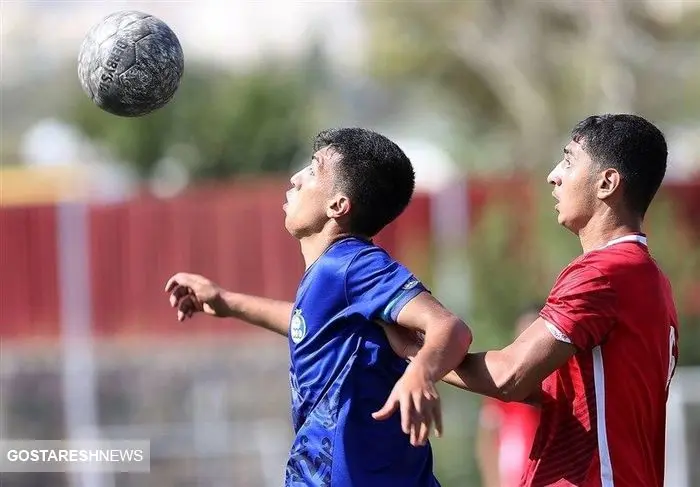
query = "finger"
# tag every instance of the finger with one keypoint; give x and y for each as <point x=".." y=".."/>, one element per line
<point x="387" y="410"/>
<point x="437" y="416"/>
<point x="188" y="304"/>
<point x="423" y="419"/>
<point x="406" y="405"/>
<point x="424" y="432"/>
<point x="178" y="293"/>
<point x="414" y="434"/>
<point x="424" y="422"/>
<point x="186" y="308"/>
<point x="190" y="300"/>
<point x="418" y="402"/>
<point x="172" y="282"/>
<point x="425" y="426"/>
<point x="178" y="296"/>
<point x="183" y="315"/>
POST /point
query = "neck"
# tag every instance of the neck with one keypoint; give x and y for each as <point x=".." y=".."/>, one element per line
<point x="605" y="227"/>
<point x="313" y="246"/>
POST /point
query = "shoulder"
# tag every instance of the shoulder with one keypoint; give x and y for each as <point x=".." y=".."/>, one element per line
<point x="580" y="271"/>
<point x="622" y="264"/>
<point x="362" y="257"/>
<point x="340" y="254"/>
<point x="607" y="262"/>
<point x="351" y="258"/>
<point x="352" y="248"/>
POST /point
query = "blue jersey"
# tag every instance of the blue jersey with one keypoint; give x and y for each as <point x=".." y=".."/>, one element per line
<point x="343" y="369"/>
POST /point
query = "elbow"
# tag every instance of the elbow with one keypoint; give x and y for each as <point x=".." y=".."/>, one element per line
<point x="506" y="394"/>
<point x="461" y="336"/>
<point x="512" y="387"/>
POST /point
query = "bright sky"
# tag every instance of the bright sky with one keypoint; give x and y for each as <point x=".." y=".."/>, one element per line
<point x="228" y="32"/>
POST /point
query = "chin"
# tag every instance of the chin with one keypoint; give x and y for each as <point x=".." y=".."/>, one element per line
<point x="291" y="228"/>
<point x="289" y="225"/>
<point x="568" y="224"/>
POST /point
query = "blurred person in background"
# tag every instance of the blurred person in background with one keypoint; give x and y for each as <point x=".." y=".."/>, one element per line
<point x="342" y="366"/>
<point x="506" y="429"/>
<point x="600" y="357"/>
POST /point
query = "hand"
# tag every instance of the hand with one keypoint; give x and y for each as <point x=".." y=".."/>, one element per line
<point x="417" y="398"/>
<point x="191" y="293"/>
<point x="404" y="342"/>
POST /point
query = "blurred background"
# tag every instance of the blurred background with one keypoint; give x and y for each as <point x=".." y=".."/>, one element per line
<point x="98" y="211"/>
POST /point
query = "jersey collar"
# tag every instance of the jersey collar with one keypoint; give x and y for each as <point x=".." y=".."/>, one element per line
<point x="640" y="239"/>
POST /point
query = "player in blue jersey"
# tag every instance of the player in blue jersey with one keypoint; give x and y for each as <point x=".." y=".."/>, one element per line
<point x="343" y="369"/>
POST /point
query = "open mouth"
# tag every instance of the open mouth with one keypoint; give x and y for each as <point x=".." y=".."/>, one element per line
<point x="289" y="195"/>
<point x="556" y="205"/>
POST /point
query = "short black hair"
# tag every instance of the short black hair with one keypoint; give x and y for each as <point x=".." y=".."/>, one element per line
<point x="633" y="146"/>
<point x="375" y="174"/>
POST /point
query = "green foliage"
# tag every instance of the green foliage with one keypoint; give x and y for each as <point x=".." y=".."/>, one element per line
<point x="679" y="256"/>
<point x="455" y="463"/>
<point x="502" y="275"/>
<point x="527" y="71"/>
<point x="217" y="124"/>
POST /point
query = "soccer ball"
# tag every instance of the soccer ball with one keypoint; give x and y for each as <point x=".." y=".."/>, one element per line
<point x="130" y="63"/>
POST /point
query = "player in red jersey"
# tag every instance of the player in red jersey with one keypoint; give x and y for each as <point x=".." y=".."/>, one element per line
<point x="600" y="357"/>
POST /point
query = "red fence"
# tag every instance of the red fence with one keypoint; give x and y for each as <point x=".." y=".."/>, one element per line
<point x="233" y="234"/>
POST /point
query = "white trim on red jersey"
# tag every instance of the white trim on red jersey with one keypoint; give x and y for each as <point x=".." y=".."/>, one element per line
<point x="606" y="472"/>
<point x="628" y="238"/>
<point x="557" y="333"/>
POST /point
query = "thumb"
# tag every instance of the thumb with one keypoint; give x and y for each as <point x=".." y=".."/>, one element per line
<point x="208" y="309"/>
<point x="390" y="406"/>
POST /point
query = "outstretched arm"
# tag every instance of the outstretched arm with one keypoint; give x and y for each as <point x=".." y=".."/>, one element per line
<point x="578" y="314"/>
<point x="513" y="373"/>
<point x="191" y="293"/>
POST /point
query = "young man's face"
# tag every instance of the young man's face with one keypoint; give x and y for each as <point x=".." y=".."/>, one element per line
<point x="574" y="181"/>
<point x="309" y="198"/>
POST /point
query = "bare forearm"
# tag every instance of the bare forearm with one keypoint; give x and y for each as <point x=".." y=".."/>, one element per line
<point x="444" y="348"/>
<point x="266" y="313"/>
<point x="472" y="374"/>
<point x="490" y="374"/>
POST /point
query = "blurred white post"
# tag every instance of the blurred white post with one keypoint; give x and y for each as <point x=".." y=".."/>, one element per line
<point x="79" y="396"/>
<point x="450" y="227"/>
<point x="683" y="386"/>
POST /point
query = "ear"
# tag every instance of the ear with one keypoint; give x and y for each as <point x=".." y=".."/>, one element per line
<point x="339" y="206"/>
<point x="608" y="183"/>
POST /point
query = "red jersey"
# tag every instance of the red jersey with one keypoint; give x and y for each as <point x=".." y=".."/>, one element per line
<point x="603" y="418"/>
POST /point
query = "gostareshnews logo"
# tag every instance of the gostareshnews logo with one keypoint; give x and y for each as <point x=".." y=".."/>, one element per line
<point x="75" y="455"/>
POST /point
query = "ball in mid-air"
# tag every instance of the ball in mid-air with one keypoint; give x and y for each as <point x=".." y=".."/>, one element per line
<point x="130" y="63"/>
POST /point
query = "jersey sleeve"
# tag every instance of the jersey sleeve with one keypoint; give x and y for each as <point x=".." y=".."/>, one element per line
<point x="378" y="287"/>
<point x="581" y="306"/>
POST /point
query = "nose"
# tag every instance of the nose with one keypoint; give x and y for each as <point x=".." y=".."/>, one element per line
<point x="553" y="178"/>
